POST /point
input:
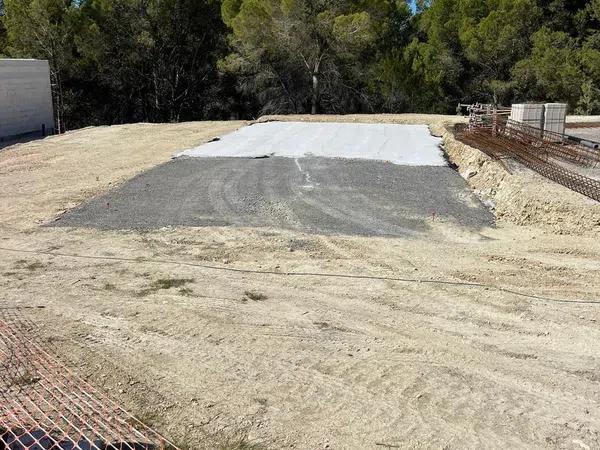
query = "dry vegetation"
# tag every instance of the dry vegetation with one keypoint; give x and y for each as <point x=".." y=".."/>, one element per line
<point x="506" y="355"/>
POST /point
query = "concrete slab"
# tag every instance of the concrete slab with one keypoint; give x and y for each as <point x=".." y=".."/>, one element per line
<point x="411" y="145"/>
<point x="314" y="195"/>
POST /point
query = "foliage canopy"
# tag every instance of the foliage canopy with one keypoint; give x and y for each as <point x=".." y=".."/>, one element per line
<point x="116" y="61"/>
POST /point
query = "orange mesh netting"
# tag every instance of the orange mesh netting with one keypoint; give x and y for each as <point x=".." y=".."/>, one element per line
<point x="43" y="405"/>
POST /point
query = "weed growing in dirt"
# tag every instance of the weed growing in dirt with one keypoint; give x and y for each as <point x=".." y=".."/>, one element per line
<point x="25" y="379"/>
<point x="31" y="266"/>
<point x="326" y="326"/>
<point x="235" y="442"/>
<point x="35" y="266"/>
<point x="186" y="291"/>
<point x="255" y="296"/>
<point x="261" y="401"/>
<point x="167" y="283"/>
<point x="142" y="275"/>
<point x="148" y="418"/>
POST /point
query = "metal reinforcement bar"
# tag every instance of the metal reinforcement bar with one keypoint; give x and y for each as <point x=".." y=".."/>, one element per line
<point x="500" y="144"/>
<point x="574" y="181"/>
<point x="531" y="157"/>
<point x="548" y="143"/>
<point x="43" y="405"/>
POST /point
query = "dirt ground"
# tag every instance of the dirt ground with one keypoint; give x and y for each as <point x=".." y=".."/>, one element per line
<point x="220" y="336"/>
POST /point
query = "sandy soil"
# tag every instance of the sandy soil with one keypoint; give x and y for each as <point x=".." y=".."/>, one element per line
<point x="42" y="178"/>
<point x="306" y="341"/>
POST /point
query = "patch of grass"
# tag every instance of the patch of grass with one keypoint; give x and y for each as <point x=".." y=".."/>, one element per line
<point x="327" y="326"/>
<point x="144" y="292"/>
<point x="167" y="283"/>
<point x="255" y="296"/>
<point x="31" y="266"/>
<point x="237" y="441"/>
<point x="148" y="418"/>
<point x="186" y="291"/>
<point x="25" y="379"/>
<point x="35" y="266"/>
<point x="322" y="325"/>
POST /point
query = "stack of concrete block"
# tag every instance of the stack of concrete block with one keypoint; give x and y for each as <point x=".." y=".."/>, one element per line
<point x="25" y="98"/>
<point x="531" y="114"/>
<point x="555" y="115"/>
<point x="547" y="117"/>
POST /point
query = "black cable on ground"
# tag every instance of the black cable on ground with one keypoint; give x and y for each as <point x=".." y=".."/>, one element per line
<point x="302" y="274"/>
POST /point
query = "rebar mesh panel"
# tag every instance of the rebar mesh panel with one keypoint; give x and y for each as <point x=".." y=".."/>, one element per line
<point x="526" y="146"/>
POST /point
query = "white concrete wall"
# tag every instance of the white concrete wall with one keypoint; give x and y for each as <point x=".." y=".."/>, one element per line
<point x="25" y="97"/>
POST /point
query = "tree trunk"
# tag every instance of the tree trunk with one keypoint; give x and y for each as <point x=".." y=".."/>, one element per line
<point x="315" y="93"/>
<point x="57" y="94"/>
<point x="63" y="122"/>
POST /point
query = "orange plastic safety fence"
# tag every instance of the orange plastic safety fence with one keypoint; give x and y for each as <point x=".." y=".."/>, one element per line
<point x="45" y="406"/>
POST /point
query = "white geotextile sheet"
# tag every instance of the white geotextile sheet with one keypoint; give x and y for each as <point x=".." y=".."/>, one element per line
<point x="410" y="145"/>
